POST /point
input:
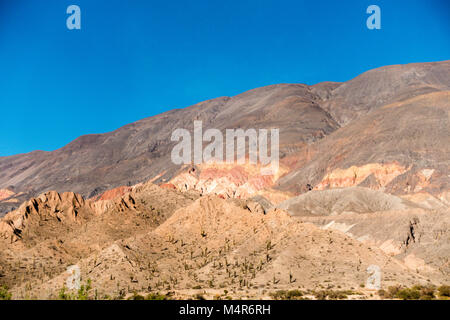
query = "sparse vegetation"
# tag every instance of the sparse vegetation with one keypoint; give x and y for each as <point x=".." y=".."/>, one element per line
<point x="157" y="296"/>
<point x="82" y="294"/>
<point x="150" y="296"/>
<point x="333" y="295"/>
<point x="287" y="295"/>
<point x="136" y="296"/>
<point x="4" y="293"/>
<point x="444" y="291"/>
<point x="417" y="292"/>
<point x="199" y="296"/>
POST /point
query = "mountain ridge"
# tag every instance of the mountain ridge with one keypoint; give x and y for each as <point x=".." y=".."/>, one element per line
<point x="363" y="183"/>
<point x="140" y="151"/>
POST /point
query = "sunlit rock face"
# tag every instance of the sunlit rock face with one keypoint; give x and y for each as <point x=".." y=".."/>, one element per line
<point x="227" y="180"/>
<point x="5" y="194"/>
<point x="353" y="176"/>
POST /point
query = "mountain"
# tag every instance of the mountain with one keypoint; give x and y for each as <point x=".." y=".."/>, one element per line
<point x="141" y="151"/>
<point x="402" y="147"/>
<point x="363" y="183"/>
<point x="383" y="86"/>
<point x="154" y="239"/>
<point x="395" y="116"/>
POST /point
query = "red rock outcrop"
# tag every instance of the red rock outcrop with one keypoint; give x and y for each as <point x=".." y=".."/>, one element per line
<point x="353" y="176"/>
<point x="114" y="193"/>
<point x="226" y="180"/>
<point x="5" y="194"/>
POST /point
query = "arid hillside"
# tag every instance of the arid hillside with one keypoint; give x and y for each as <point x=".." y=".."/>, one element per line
<point x="402" y="147"/>
<point x="153" y="240"/>
<point x="363" y="185"/>
<point x="393" y="119"/>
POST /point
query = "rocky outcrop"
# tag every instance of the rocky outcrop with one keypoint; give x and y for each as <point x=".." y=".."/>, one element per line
<point x="226" y="180"/>
<point x="381" y="174"/>
<point x="5" y="194"/>
<point x="50" y="205"/>
<point x="113" y="193"/>
<point x="70" y="210"/>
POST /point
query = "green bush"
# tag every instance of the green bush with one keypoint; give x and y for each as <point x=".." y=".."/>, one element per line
<point x="417" y="292"/>
<point x="408" y="294"/>
<point x="4" y="293"/>
<point x="426" y="292"/>
<point x="81" y="294"/>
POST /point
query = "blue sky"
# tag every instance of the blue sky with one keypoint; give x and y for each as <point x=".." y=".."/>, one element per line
<point x="135" y="59"/>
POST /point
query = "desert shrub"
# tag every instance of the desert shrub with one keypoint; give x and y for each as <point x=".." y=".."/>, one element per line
<point x="294" y="294"/>
<point x="426" y="292"/>
<point x="382" y="293"/>
<point x="278" y="295"/>
<point x="332" y="295"/>
<point x="136" y="296"/>
<point x="64" y="295"/>
<point x="444" y="291"/>
<point x="156" y="296"/>
<point x="320" y="295"/>
<point x="417" y="292"/>
<point x="198" y="296"/>
<point x="4" y="293"/>
<point x="337" y="295"/>
<point x="392" y="291"/>
<point x="408" y="294"/>
<point x="81" y="294"/>
<point x="286" y="295"/>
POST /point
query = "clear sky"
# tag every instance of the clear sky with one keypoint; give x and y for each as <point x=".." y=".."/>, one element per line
<point x="135" y="59"/>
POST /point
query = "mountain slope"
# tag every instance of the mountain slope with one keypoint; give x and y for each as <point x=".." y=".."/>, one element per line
<point x="402" y="147"/>
<point x="386" y="85"/>
<point x="208" y="243"/>
<point x="141" y="150"/>
<point x="392" y="119"/>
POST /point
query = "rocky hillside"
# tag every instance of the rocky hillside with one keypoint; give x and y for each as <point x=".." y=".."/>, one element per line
<point x="363" y="183"/>
<point x="402" y="147"/>
<point x="388" y="127"/>
<point x="153" y="240"/>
